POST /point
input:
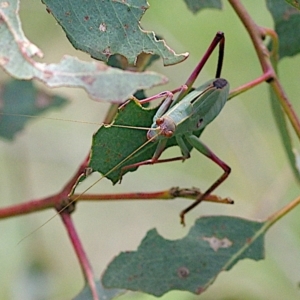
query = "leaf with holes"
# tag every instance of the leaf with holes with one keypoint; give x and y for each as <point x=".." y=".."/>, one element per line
<point x="104" y="28"/>
<point x="101" y="82"/>
<point x="192" y="263"/>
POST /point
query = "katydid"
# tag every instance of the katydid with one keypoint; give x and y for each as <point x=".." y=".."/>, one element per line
<point x="192" y="113"/>
<point x="181" y="118"/>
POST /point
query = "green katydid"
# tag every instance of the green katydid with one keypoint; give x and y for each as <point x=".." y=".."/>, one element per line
<point x="190" y="113"/>
<point x="180" y="119"/>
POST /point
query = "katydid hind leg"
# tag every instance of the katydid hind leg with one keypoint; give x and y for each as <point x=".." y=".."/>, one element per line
<point x="221" y="38"/>
<point x="218" y="39"/>
<point x="197" y="144"/>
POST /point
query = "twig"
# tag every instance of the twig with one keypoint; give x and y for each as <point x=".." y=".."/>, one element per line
<point x="81" y="255"/>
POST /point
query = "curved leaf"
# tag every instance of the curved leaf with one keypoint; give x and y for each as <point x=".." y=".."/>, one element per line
<point x="285" y="135"/>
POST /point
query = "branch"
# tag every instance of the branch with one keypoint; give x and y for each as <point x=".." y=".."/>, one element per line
<point x="170" y="194"/>
<point x="256" y="34"/>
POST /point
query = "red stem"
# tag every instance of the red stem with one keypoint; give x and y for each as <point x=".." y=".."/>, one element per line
<point x="245" y="87"/>
<point x="255" y="33"/>
<point x="44" y="203"/>
<point x="49" y="202"/>
<point x="28" y="207"/>
<point x="80" y="253"/>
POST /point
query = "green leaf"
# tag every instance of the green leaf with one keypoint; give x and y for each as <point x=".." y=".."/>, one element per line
<point x="284" y="134"/>
<point x="197" y="5"/>
<point x="287" y="26"/>
<point x="111" y="145"/>
<point x="104" y="294"/>
<point x="214" y="244"/>
<point x="100" y="82"/>
<point x="104" y="28"/>
<point x="294" y="3"/>
<point x="22" y="98"/>
<point x="113" y="148"/>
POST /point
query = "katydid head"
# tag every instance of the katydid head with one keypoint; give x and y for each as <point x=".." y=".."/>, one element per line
<point x="162" y="127"/>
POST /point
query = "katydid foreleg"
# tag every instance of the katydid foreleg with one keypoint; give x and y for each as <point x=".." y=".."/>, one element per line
<point x="159" y="149"/>
<point x="168" y="95"/>
<point x="197" y="144"/>
<point x="218" y="39"/>
<point x="166" y="129"/>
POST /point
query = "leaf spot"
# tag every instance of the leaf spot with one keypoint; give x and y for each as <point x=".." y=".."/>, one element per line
<point x="102" y="27"/>
<point x="183" y="272"/>
<point x="48" y="74"/>
<point x="4" y="4"/>
<point x="88" y="79"/>
<point x="4" y="60"/>
<point x="289" y="12"/>
<point x="216" y="243"/>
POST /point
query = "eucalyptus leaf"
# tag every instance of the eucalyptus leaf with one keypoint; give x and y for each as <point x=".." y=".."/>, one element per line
<point x="213" y="244"/>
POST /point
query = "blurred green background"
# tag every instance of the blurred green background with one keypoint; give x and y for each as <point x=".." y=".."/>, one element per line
<point x="47" y="153"/>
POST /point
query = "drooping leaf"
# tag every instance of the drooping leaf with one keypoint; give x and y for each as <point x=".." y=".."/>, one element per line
<point x="192" y="263"/>
<point x="197" y="5"/>
<point x="100" y="82"/>
<point x="287" y="26"/>
<point x="282" y="126"/>
<point x="281" y="122"/>
<point x="295" y="3"/>
<point x="113" y="148"/>
<point x="103" y="293"/>
<point x="104" y="28"/>
<point x="19" y="98"/>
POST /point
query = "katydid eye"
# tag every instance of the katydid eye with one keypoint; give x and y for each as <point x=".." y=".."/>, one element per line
<point x="159" y="121"/>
